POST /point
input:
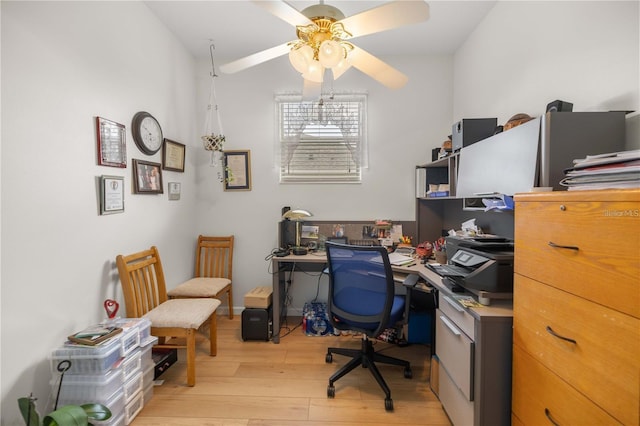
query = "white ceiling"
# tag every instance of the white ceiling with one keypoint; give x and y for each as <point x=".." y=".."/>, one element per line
<point x="239" y="28"/>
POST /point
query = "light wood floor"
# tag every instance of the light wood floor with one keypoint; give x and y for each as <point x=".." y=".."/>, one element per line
<point x="260" y="383"/>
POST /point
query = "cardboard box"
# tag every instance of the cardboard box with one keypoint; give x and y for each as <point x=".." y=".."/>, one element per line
<point x="259" y="297"/>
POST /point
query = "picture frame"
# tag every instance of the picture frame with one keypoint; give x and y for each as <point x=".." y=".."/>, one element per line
<point x="111" y="194"/>
<point x="237" y="170"/>
<point x="173" y="154"/>
<point x="147" y="177"/>
<point x="112" y="143"/>
<point x="174" y="189"/>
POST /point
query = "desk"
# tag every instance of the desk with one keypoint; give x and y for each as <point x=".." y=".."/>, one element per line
<point x="280" y="265"/>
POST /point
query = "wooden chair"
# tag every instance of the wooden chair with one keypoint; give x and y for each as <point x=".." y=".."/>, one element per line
<point x="213" y="273"/>
<point x="145" y="295"/>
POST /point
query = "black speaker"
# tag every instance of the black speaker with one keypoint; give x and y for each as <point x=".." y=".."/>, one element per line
<point x="257" y="324"/>
<point x="287" y="234"/>
<point x="560" y="106"/>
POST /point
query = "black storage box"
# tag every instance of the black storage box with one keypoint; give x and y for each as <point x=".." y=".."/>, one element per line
<point x="163" y="358"/>
<point x="257" y="324"/>
<point x="471" y="130"/>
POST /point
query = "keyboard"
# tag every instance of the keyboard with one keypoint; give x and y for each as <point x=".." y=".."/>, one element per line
<point x="449" y="270"/>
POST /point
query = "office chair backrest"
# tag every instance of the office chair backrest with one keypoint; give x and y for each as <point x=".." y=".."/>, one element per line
<point x="361" y="288"/>
<point x="142" y="281"/>
<point x="214" y="257"/>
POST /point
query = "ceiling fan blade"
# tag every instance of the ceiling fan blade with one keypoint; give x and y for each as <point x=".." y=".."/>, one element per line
<point x="386" y="17"/>
<point x="255" y="59"/>
<point x="376" y="69"/>
<point x="284" y="11"/>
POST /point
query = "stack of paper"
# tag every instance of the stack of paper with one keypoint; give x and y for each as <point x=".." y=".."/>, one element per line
<point x="604" y="171"/>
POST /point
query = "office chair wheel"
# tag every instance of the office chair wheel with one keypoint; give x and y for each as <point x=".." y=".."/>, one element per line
<point x="331" y="391"/>
<point x="328" y="359"/>
<point x="388" y="404"/>
<point x="408" y="374"/>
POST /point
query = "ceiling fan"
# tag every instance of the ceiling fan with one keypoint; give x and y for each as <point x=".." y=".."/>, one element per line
<point x="322" y="32"/>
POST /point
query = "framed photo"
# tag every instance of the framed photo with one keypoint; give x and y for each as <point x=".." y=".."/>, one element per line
<point x="237" y="171"/>
<point x="174" y="190"/>
<point x="112" y="145"/>
<point x="173" y="156"/>
<point x="111" y="194"/>
<point x="147" y="177"/>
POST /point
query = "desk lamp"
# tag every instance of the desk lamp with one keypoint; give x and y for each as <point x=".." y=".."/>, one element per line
<point x="297" y="216"/>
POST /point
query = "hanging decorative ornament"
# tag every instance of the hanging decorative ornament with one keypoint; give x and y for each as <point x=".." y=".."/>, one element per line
<point x="214" y="141"/>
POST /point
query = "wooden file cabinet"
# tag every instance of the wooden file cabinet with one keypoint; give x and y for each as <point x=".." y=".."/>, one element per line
<point x="576" y="331"/>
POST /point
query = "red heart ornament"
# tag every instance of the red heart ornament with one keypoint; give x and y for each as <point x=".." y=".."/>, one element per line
<point x="111" y="306"/>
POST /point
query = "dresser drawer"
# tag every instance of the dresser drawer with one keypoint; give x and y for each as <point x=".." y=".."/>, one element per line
<point x="458" y="314"/>
<point x="603" y="363"/>
<point x="589" y="248"/>
<point x="458" y="407"/>
<point x="455" y="351"/>
<point x="541" y="397"/>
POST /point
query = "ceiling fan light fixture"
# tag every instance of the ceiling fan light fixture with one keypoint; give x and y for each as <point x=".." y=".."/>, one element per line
<point x="300" y="57"/>
<point x="314" y="73"/>
<point x="330" y="53"/>
<point x="341" y="68"/>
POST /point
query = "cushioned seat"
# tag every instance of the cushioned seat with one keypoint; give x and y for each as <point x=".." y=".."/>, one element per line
<point x="213" y="271"/>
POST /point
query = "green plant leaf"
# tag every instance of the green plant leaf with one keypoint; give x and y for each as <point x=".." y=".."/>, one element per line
<point x="28" y="409"/>
<point x="69" y="415"/>
<point x="96" y="411"/>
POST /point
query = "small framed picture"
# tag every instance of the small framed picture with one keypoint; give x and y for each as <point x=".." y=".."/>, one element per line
<point x="237" y="171"/>
<point x="111" y="194"/>
<point x="174" y="190"/>
<point x="112" y="145"/>
<point x="173" y="156"/>
<point x="147" y="177"/>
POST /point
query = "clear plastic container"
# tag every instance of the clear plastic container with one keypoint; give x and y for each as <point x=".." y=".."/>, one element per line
<point x="146" y="356"/>
<point x="130" y="341"/>
<point x="143" y="325"/>
<point x="88" y="387"/>
<point x="115" y="403"/>
<point x="133" y="407"/>
<point x="147" y="376"/>
<point x="147" y="394"/>
<point x="87" y="359"/>
<point x="132" y="386"/>
<point x="130" y="365"/>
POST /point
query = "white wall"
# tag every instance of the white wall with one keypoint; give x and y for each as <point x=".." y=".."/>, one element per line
<point x="526" y="54"/>
<point x="63" y="64"/>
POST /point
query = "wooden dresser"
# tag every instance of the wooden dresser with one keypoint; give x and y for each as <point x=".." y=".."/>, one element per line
<point x="576" y="325"/>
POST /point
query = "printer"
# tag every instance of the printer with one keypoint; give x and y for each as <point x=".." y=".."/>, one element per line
<point x="483" y="263"/>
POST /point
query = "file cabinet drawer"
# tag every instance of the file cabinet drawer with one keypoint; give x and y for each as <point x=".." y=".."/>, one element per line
<point x="458" y="407"/>
<point x="602" y="338"/>
<point x="543" y="397"/>
<point x="458" y="314"/>
<point x="455" y="351"/>
<point x="596" y="247"/>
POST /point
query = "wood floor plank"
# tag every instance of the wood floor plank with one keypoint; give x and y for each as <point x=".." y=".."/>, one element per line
<point x="258" y="383"/>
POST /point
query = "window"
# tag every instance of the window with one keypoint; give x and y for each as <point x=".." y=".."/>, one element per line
<point x="322" y="141"/>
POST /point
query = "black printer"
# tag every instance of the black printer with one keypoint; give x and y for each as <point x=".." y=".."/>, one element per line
<point x="483" y="263"/>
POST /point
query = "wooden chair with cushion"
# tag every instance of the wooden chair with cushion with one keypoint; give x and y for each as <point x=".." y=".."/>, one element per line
<point x="213" y="273"/>
<point x="145" y="295"/>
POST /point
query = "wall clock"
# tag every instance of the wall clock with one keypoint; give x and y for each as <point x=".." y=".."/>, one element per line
<point x="147" y="132"/>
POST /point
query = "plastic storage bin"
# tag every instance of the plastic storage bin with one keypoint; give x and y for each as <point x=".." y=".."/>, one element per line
<point x="130" y="365"/>
<point x="147" y="394"/>
<point x="88" y="387"/>
<point x="143" y="325"/>
<point x="129" y="340"/>
<point x="115" y="403"/>
<point x="132" y="386"/>
<point x="87" y="359"/>
<point x="133" y="407"/>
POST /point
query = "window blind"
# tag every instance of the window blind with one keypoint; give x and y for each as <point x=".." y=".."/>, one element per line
<point x="322" y="141"/>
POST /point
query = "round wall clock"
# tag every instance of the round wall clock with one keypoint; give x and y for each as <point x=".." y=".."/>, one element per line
<point x="147" y="133"/>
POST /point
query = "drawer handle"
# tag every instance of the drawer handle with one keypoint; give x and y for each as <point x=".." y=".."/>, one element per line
<point x="554" y="245"/>
<point x="450" y="326"/>
<point x="547" y="413"/>
<point x="455" y="305"/>
<point x="554" y="334"/>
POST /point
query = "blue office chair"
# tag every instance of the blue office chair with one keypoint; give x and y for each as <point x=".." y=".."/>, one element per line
<point x="362" y="298"/>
